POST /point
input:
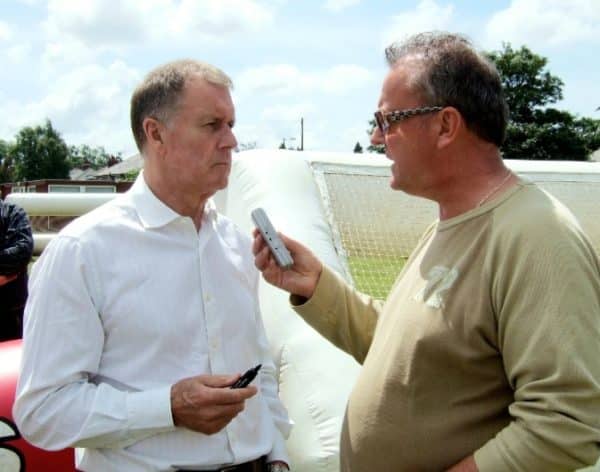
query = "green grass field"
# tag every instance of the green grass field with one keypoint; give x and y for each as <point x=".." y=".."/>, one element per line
<point x="375" y="275"/>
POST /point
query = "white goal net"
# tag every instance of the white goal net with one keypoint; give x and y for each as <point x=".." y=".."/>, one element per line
<point x="375" y="228"/>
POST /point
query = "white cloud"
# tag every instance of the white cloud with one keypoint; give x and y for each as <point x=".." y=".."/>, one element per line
<point x="96" y="22"/>
<point x="88" y="105"/>
<point x="275" y="122"/>
<point x="210" y="18"/>
<point x="13" y="50"/>
<point x="101" y="24"/>
<point x="343" y="78"/>
<point x="5" y="31"/>
<point x="91" y="104"/>
<point x="545" y="22"/>
<point x="288" y="94"/>
<point x="61" y="54"/>
<point x="338" y="5"/>
<point x="76" y="32"/>
<point x="427" y="16"/>
<point x="287" y="79"/>
<point x="19" y="53"/>
<point x="271" y="79"/>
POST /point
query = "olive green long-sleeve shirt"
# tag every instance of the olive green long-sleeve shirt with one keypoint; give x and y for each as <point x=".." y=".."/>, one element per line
<point x="489" y="344"/>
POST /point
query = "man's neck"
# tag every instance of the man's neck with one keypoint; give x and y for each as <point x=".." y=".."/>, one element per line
<point x="472" y="179"/>
<point x="186" y="202"/>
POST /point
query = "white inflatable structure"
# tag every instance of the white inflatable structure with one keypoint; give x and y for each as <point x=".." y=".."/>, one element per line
<point x="314" y="376"/>
<point x="341" y="206"/>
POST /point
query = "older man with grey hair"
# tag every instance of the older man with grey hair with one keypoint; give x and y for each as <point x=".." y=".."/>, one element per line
<point x="144" y="312"/>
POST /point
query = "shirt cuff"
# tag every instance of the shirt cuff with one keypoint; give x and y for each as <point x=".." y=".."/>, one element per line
<point x="489" y="458"/>
<point x="150" y="409"/>
<point x="320" y="307"/>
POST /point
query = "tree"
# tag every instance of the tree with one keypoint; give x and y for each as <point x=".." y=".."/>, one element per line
<point x="5" y="162"/>
<point x="535" y="130"/>
<point x="379" y="148"/>
<point x="527" y="86"/>
<point x="358" y="148"/>
<point x="246" y="146"/>
<point x="85" y="157"/>
<point x="131" y="175"/>
<point x="39" y="153"/>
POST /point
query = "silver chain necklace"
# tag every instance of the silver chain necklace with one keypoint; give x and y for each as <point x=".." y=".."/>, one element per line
<point x="496" y="188"/>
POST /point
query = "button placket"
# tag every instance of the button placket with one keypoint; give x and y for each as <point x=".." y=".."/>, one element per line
<point x="211" y="315"/>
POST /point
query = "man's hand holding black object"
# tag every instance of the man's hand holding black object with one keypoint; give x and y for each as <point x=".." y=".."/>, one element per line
<point x="303" y="276"/>
<point x="205" y="404"/>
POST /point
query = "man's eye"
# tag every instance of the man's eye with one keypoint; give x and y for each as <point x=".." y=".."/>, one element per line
<point x="216" y="125"/>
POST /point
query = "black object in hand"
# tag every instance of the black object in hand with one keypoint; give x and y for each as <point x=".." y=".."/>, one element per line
<point x="248" y="377"/>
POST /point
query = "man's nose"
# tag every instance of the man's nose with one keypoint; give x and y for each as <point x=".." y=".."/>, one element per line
<point x="377" y="136"/>
<point x="229" y="140"/>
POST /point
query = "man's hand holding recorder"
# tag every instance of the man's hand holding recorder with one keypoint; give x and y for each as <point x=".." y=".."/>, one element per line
<point x="301" y="277"/>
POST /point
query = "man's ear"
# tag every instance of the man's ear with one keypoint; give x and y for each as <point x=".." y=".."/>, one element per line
<point x="155" y="134"/>
<point x="450" y="124"/>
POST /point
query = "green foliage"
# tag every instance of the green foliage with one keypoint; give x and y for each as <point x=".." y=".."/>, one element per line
<point x="527" y="86"/>
<point x="246" y="146"/>
<point x="39" y="153"/>
<point x="5" y="162"/>
<point x="552" y="135"/>
<point x="85" y="157"/>
<point x="535" y="130"/>
<point x="589" y="130"/>
<point x="358" y="148"/>
<point x="131" y="175"/>
<point x="379" y="148"/>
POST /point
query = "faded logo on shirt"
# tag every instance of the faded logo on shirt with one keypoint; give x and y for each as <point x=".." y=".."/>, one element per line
<point x="439" y="280"/>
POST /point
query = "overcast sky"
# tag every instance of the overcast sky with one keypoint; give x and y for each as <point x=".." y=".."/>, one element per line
<point x="76" y="62"/>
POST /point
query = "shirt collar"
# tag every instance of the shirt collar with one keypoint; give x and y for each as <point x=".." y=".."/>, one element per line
<point x="154" y="213"/>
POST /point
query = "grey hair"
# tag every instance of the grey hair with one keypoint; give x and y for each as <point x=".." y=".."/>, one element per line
<point x="159" y="93"/>
<point x="453" y="73"/>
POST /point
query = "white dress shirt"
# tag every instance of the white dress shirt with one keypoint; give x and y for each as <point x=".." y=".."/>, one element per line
<point x="126" y="301"/>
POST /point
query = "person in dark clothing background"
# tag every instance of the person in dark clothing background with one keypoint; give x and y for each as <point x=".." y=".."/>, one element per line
<point x="16" y="249"/>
